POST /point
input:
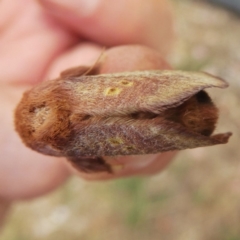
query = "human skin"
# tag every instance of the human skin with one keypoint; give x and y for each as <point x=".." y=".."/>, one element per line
<point x="46" y="37"/>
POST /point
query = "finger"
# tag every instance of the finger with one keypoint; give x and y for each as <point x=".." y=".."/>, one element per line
<point x="4" y="208"/>
<point x="119" y="59"/>
<point x="29" y="41"/>
<point x="119" y="22"/>
<point x="124" y="58"/>
<point x="83" y="54"/>
<point x="129" y="166"/>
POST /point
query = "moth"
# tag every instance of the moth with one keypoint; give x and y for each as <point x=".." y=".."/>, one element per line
<point x="84" y="115"/>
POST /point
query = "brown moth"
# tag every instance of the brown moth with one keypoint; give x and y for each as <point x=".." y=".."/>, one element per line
<point x="83" y="117"/>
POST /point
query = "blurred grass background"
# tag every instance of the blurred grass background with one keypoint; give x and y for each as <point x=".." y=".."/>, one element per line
<point x="196" y="197"/>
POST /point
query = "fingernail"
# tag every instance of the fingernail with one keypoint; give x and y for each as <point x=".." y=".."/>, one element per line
<point x="81" y="7"/>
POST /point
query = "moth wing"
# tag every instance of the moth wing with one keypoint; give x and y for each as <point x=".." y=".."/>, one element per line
<point x="127" y="137"/>
<point x="151" y="91"/>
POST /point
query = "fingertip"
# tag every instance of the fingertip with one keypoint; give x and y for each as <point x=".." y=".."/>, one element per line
<point x="115" y="59"/>
<point x="132" y="58"/>
<point x="129" y="166"/>
<point x="84" y="54"/>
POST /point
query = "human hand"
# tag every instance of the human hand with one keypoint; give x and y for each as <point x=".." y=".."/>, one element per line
<point x="38" y="40"/>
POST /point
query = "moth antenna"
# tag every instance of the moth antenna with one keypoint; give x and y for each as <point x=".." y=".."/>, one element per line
<point x="96" y="63"/>
<point x="83" y="70"/>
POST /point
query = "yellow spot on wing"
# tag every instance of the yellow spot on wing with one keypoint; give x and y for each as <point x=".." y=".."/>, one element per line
<point x="126" y="83"/>
<point x="115" y="141"/>
<point x="111" y="91"/>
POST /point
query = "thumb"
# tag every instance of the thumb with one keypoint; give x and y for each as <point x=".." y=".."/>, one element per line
<point x="117" y="22"/>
